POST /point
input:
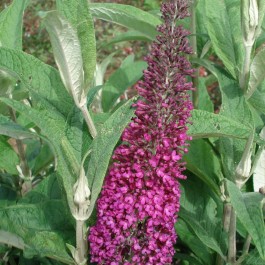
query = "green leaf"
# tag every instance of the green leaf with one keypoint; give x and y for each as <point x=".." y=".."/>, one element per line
<point x="67" y="53"/>
<point x="78" y="14"/>
<point x="119" y="81"/>
<point x="257" y="74"/>
<point x="188" y="258"/>
<point x="100" y="118"/>
<point x="233" y="10"/>
<point x="44" y="159"/>
<point x="220" y="33"/>
<point x="231" y="151"/>
<point x="257" y="100"/>
<point x="14" y="130"/>
<point x="205" y="102"/>
<point x="261" y="6"/>
<point x="101" y="70"/>
<point x="8" y="195"/>
<point x="11" y="239"/>
<point x="131" y="35"/>
<point x="253" y="258"/>
<point x="206" y="166"/>
<point x="248" y="209"/>
<point x="202" y="211"/>
<point x="43" y="227"/>
<point x="53" y="125"/>
<point x="206" y="124"/>
<point x="151" y="4"/>
<point x="186" y="235"/>
<point x="11" y="24"/>
<point x="203" y="41"/>
<point x="204" y="230"/>
<point x="103" y="146"/>
<point x="127" y="61"/>
<point x="234" y="103"/>
<point x="7" y="82"/>
<point x="206" y="48"/>
<point x="128" y="16"/>
<point x="77" y="134"/>
<point x="47" y="189"/>
<point x="92" y="93"/>
<point x="259" y="171"/>
<point x="38" y="77"/>
<point x="9" y="159"/>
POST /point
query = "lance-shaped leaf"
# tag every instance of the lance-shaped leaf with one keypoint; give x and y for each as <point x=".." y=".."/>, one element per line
<point x="131" y="35"/>
<point x="11" y="239"/>
<point x="186" y="235"/>
<point x="11" y="24"/>
<point x="128" y="16"/>
<point x="234" y="14"/>
<point x="219" y="30"/>
<point x="67" y="54"/>
<point x="38" y="229"/>
<point x="206" y="124"/>
<point x="261" y="5"/>
<point x="257" y="73"/>
<point x="14" y="130"/>
<point x="119" y="81"/>
<point x="259" y="172"/>
<point x="200" y="211"/>
<point x="249" y="211"/>
<point x="53" y="125"/>
<point x="9" y="159"/>
<point x="253" y="258"/>
<point x="38" y="77"/>
<point x="78" y="14"/>
<point x="103" y="147"/>
<point x="206" y="166"/>
<point x="250" y="20"/>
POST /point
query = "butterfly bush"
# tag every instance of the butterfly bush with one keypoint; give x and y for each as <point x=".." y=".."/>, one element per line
<point x="139" y="202"/>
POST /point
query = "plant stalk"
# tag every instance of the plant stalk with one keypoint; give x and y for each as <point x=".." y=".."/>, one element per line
<point x="81" y="243"/>
<point x="232" y="238"/>
<point x="89" y="121"/>
<point x="227" y="216"/>
<point x="193" y="40"/>
<point x="226" y="225"/>
<point x="27" y="184"/>
<point x="244" y="76"/>
<point x="246" y="245"/>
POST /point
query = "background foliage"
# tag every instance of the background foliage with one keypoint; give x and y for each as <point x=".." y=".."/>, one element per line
<point x="44" y="139"/>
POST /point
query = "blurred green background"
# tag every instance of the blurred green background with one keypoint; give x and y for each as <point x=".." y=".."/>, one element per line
<point x="36" y="40"/>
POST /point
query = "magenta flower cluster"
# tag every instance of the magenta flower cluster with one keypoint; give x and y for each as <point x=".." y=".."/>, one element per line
<point x="139" y="201"/>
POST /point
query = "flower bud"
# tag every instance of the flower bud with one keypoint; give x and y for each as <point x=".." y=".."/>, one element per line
<point x="250" y="20"/>
<point x="81" y="197"/>
<point x="243" y="168"/>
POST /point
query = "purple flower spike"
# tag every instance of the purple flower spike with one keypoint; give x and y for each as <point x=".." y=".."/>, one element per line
<point x="139" y="201"/>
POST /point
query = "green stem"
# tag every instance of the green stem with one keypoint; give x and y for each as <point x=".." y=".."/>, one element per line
<point x="226" y="225"/>
<point x="232" y="238"/>
<point x="246" y="68"/>
<point x="27" y="184"/>
<point x="89" y="121"/>
<point x="193" y="39"/>
<point x="227" y="216"/>
<point x="81" y="243"/>
<point x="246" y="245"/>
<point x="12" y="261"/>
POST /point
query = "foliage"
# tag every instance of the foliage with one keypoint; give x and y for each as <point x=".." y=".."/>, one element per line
<point x="58" y="128"/>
